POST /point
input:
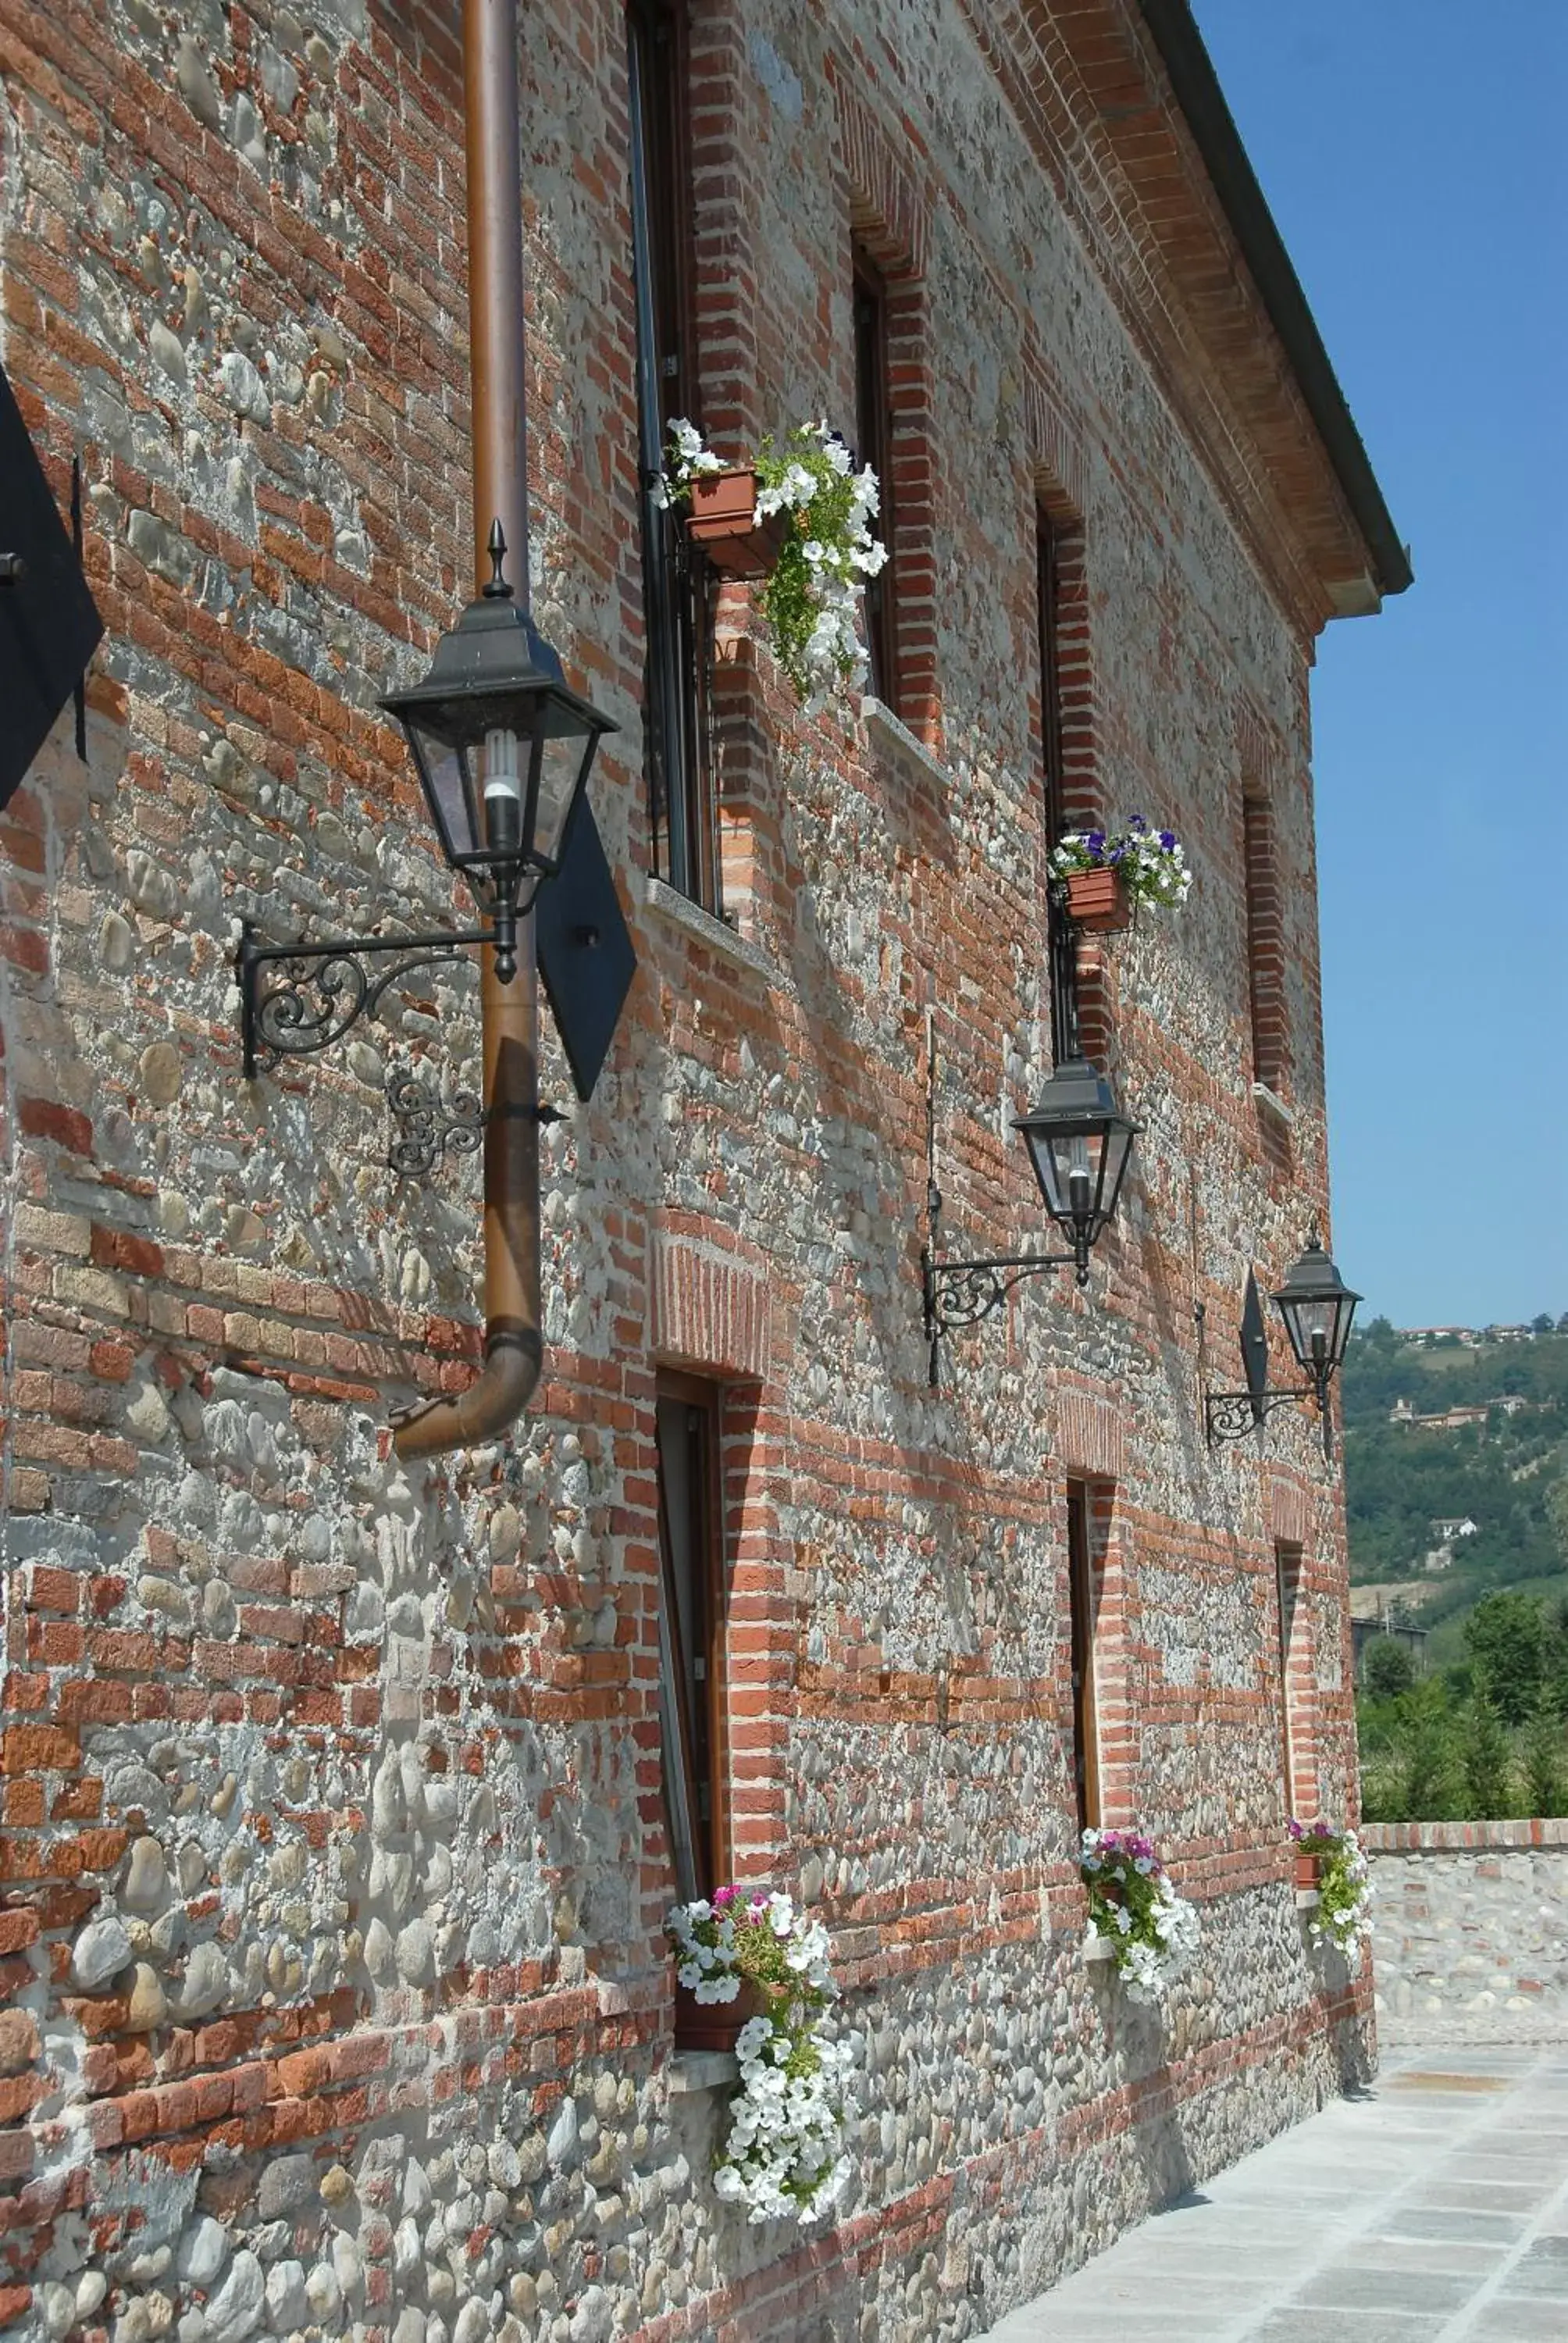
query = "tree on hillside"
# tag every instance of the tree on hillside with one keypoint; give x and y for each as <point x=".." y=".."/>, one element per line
<point x="1556" y="1503"/>
<point x="1506" y="1637"/>
<point x="1388" y="1668"/>
<point x="1542" y="1750"/>
<point x="1488" y="1767"/>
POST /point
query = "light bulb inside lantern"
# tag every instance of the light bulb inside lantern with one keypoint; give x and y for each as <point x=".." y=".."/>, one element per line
<point x="503" y="791"/>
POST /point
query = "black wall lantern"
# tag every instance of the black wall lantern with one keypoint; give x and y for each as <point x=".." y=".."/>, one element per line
<point x="1318" y="1308"/>
<point x="503" y="750"/>
<point x="1080" y="1144"/>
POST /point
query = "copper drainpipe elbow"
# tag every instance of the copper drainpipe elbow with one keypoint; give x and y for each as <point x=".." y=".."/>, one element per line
<point x="514" y="1347"/>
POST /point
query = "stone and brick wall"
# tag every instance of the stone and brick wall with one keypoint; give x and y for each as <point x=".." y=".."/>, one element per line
<point x="332" y="1864"/>
<point x="1470" y="1930"/>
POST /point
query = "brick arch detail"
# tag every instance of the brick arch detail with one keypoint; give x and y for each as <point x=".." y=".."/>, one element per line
<point x="889" y="211"/>
<point x="708" y="1306"/>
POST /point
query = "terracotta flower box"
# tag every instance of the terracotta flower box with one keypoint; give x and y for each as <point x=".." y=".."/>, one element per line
<point x="713" y="2024"/>
<point x="1098" y="900"/>
<point x="1308" y="1868"/>
<point x="722" y="521"/>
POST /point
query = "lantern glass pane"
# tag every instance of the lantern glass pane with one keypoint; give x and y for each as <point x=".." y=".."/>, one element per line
<point x="1051" y="1178"/>
<point x="563" y="759"/>
<point x="1116" y="1151"/>
<point x="449" y="783"/>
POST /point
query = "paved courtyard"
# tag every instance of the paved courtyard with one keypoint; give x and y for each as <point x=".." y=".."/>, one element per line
<point x="1431" y="2208"/>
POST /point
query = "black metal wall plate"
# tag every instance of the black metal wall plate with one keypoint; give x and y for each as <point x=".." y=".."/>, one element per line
<point x="1254" y="1345"/>
<point x="49" y="622"/>
<point x="585" y="950"/>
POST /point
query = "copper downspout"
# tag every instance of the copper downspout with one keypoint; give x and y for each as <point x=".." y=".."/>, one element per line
<point x="513" y="1347"/>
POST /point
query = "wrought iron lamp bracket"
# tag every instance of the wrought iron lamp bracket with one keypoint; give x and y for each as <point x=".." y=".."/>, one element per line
<point x="326" y="989"/>
<point x="1230" y="1416"/>
<point x="962" y="1292"/>
<point x="959" y="1293"/>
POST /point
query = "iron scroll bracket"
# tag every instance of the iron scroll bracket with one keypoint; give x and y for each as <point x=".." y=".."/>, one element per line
<point x="323" y="989"/>
<point x="1230" y="1416"/>
<point x="959" y="1293"/>
<point x="430" y="1126"/>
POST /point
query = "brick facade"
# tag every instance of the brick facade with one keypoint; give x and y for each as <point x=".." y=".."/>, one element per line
<point x="334" y="1864"/>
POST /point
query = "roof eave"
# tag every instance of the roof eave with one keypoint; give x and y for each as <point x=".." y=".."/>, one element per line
<point x="1197" y="91"/>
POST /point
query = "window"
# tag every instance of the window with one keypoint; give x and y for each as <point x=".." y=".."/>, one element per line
<point x="1265" y="943"/>
<point x="873" y="431"/>
<point x="1081" y="1604"/>
<point x="1287" y="1587"/>
<point x="679" y="588"/>
<point x="690" y="1633"/>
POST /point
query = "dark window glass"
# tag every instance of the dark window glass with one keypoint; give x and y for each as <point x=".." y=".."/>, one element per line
<point x="1080" y="1596"/>
<point x="874" y="434"/>
<point x="691" y="1670"/>
<point x="678" y="587"/>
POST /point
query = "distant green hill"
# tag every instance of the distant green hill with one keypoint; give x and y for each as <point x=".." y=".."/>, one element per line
<point x="1501" y="1472"/>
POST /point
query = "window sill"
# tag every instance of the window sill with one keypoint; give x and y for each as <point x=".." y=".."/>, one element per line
<point x="1098" y="1953"/>
<point x="702" y="2070"/>
<point x="1271" y="1103"/>
<point x="704" y="929"/>
<point x="888" y="731"/>
<point x="1307" y="1899"/>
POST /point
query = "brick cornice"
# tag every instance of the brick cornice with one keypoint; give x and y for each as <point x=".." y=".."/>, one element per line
<point x="1090" y="95"/>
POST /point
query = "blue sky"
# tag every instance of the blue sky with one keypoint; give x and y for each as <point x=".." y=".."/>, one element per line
<point x="1414" y="156"/>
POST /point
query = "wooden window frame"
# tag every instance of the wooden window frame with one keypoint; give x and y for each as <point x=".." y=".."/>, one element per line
<point x="874" y="431"/>
<point x="679" y="589"/>
<point x="699" y="1848"/>
<point x="1088" y="1790"/>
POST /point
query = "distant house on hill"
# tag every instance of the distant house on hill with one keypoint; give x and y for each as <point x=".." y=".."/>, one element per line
<point x="1449" y="1419"/>
<point x="1446" y="1533"/>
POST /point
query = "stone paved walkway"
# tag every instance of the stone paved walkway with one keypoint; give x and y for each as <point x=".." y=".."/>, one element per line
<point x="1431" y="2209"/>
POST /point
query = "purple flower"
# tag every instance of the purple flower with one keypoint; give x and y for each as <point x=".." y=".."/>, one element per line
<point x="1167" y="839"/>
<point x="1095" y="841"/>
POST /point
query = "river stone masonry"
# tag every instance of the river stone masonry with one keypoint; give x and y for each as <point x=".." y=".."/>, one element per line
<point x="334" y="1866"/>
<point x="1470" y="1930"/>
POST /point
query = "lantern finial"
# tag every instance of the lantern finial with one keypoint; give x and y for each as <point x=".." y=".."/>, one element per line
<point x="496" y="587"/>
